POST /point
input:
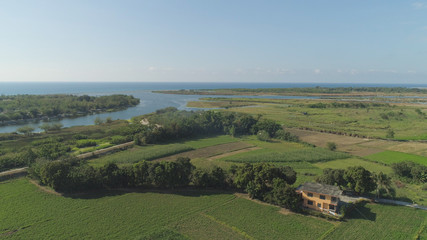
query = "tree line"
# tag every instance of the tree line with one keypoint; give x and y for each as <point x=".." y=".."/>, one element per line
<point x="262" y="181"/>
<point x="169" y="124"/>
<point x="23" y="107"/>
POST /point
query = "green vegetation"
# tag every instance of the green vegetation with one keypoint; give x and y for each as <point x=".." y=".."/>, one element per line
<point x="264" y="222"/>
<point x="353" y="118"/>
<point x="375" y="221"/>
<point x="364" y="91"/>
<point x="23" y="107"/>
<point x="351" y="162"/>
<point x="298" y="155"/>
<point x="209" y="141"/>
<point x="27" y="212"/>
<point x="389" y="157"/>
<point x="138" y="153"/>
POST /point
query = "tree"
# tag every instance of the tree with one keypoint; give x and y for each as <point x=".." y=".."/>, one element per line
<point x="333" y="177"/>
<point x="332" y="146"/>
<point x="359" y="180"/>
<point x="285" y="195"/>
<point x="383" y="182"/>
<point x="26" y="130"/>
<point x="51" y="127"/>
<point x="390" y="133"/>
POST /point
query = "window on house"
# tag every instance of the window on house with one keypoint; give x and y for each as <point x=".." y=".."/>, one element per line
<point x="331" y="207"/>
<point x="319" y="205"/>
<point x="322" y="197"/>
<point x="310" y="194"/>
<point x="334" y="199"/>
<point x="310" y="202"/>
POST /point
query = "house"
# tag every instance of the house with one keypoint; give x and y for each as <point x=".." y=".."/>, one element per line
<point x="320" y="197"/>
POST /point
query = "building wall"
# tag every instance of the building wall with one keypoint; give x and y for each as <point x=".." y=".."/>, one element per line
<point x="316" y="199"/>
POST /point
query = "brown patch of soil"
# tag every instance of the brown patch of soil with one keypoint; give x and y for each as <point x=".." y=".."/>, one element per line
<point x="45" y="189"/>
<point x="233" y="153"/>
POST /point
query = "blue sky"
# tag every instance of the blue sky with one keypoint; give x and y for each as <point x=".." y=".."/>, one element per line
<point x="217" y="41"/>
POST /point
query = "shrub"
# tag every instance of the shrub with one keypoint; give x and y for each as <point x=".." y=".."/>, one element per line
<point x="85" y="143"/>
<point x="263" y="135"/>
<point x="331" y="146"/>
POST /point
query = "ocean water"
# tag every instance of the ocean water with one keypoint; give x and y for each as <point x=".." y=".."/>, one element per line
<point x="150" y="102"/>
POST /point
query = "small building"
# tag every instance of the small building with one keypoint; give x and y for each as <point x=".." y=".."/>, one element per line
<point x="320" y="197"/>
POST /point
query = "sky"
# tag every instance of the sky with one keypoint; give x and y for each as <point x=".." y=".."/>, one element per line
<point x="382" y="41"/>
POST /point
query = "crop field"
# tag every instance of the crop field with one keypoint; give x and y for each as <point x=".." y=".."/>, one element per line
<point x="369" y="121"/>
<point x="138" y="153"/>
<point x="298" y="155"/>
<point x="209" y="141"/>
<point x="418" y="148"/>
<point x="375" y="221"/>
<point x="209" y="151"/>
<point x="351" y="162"/>
<point x="29" y="213"/>
<point x="389" y="157"/>
<point x="258" y="221"/>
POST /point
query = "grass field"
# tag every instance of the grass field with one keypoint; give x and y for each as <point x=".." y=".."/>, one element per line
<point x="389" y="157"/>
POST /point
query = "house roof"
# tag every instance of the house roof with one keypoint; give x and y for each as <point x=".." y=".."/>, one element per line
<point x="320" y="188"/>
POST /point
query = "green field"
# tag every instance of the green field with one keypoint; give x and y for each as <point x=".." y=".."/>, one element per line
<point x="138" y="153"/>
<point x="209" y="141"/>
<point x="297" y="155"/>
<point x="29" y="213"/>
<point x="373" y="121"/>
<point x="374" y="221"/>
<point x="389" y="157"/>
<point x="350" y="162"/>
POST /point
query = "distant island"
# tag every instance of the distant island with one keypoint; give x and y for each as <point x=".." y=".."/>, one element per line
<point x="16" y="108"/>
<point x="309" y="91"/>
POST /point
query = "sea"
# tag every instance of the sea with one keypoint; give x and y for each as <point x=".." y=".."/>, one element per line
<point x="150" y="102"/>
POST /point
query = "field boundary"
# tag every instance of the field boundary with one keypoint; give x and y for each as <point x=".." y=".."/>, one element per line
<point x="105" y="150"/>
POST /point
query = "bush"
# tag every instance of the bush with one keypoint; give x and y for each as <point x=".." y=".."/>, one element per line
<point x="263" y="135"/>
<point x="286" y="136"/>
<point x="85" y="143"/>
<point x="119" y="140"/>
<point x="331" y="146"/>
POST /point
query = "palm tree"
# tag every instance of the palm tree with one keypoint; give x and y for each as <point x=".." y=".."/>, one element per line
<point x="383" y="181"/>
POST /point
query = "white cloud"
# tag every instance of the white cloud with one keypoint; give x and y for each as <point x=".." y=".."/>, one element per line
<point x="316" y="71"/>
<point x="419" y="5"/>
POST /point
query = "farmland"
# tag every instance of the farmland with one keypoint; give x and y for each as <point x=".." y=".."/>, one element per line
<point x="373" y="221"/>
<point x="370" y="120"/>
<point x="389" y="157"/>
<point x="29" y="213"/>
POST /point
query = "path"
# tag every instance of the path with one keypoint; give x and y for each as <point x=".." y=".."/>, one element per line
<point x="401" y="203"/>
<point x="105" y="150"/>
